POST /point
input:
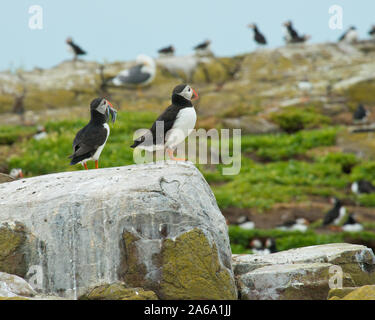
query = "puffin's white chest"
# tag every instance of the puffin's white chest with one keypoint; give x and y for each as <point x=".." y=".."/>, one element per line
<point x="182" y="127"/>
<point x="342" y="214"/>
<point x="100" y="149"/>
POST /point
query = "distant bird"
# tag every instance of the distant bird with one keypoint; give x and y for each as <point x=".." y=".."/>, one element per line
<point x="372" y="31"/>
<point x="167" y="51"/>
<point x="178" y="121"/>
<point x="142" y="74"/>
<point x="351" y="225"/>
<point x="350" y="36"/>
<point x="292" y="36"/>
<point x="244" y="223"/>
<point x="336" y="214"/>
<point x="362" y="186"/>
<point x="258" y="36"/>
<point x="41" y="133"/>
<point x="203" y="48"/>
<point x="75" y="49"/>
<point x="360" y="114"/>
<point x="16" y="173"/>
<point x="258" y="247"/>
<point x="90" y="140"/>
<point x="300" y="224"/>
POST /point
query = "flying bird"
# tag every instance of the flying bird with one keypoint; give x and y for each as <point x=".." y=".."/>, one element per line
<point x="258" y="36"/>
<point x="142" y="74"/>
<point x="167" y="51"/>
<point x="91" y="139"/>
<point x="178" y="121"/>
<point x="350" y="36"/>
<point x="75" y="49"/>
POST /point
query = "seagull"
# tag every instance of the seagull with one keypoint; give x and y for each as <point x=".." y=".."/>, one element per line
<point x="258" y="36"/>
<point x="142" y="74"/>
<point x="178" y="120"/>
<point x="91" y="139"/>
<point x="75" y="49"/>
<point x="350" y="36"/>
<point x="167" y="51"/>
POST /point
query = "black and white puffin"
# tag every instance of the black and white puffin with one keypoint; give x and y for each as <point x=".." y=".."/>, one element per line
<point x="336" y="214"/>
<point x="291" y="35"/>
<point x="203" y="48"/>
<point x="258" y="36"/>
<point x="16" y="173"/>
<point x="140" y="75"/>
<point x="352" y="225"/>
<point x="167" y="51"/>
<point x="372" y="31"/>
<point x="299" y="224"/>
<point x="360" y="114"/>
<point x="362" y="186"/>
<point x="349" y="36"/>
<point x="91" y="139"/>
<point x="245" y="223"/>
<point x="178" y="121"/>
<point x="75" y="49"/>
<point x="268" y="247"/>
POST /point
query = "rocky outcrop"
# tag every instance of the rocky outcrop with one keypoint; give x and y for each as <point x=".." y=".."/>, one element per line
<point x="154" y="226"/>
<point x="303" y="273"/>
<point x="362" y="293"/>
<point x="13" y="286"/>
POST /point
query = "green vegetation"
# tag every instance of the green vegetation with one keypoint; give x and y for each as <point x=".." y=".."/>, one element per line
<point x="285" y="240"/>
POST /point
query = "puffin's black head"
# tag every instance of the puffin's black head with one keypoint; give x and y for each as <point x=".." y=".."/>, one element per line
<point x="336" y="202"/>
<point x="183" y="93"/>
<point x="104" y="108"/>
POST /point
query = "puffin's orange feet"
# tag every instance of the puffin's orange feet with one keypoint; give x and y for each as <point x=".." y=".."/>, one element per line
<point x="170" y="153"/>
<point x="96" y="164"/>
<point x="85" y="165"/>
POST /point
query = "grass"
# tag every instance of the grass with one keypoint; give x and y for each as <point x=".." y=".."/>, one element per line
<point x="285" y="240"/>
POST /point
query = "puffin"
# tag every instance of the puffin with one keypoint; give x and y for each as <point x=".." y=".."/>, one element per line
<point x="167" y="51"/>
<point x="362" y="186"/>
<point x="350" y="36"/>
<point x="299" y="224"/>
<point x="360" y="114"/>
<point x="336" y="214"/>
<point x="352" y="225"/>
<point x="91" y="139"/>
<point x="40" y="134"/>
<point x="140" y="75"/>
<point x="77" y="51"/>
<point x="258" y="36"/>
<point x="245" y="223"/>
<point x="203" y="48"/>
<point x="372" y="31"/>
<point x="179" y="120"/>
<point x="16" y="173"/>
<point x="268" y="247"/>
<point x="292" y="36"/>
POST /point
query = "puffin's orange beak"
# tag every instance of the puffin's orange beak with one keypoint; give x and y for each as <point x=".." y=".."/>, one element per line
<point x="195" y="96"/>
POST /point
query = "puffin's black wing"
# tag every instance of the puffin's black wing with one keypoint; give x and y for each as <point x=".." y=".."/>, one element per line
<point x="330" y="216"/>
<point x="77" y="49"/>
<point x="343" y="36"/>
<point x="134" y="76"/>
<point x="87" y="141"/>
<point x="168" y="117"/>
<point x="166" y="50"/>
<point x="201" y="46"/>
<point x="293" y="33"/>
<point x="260" y="38"/>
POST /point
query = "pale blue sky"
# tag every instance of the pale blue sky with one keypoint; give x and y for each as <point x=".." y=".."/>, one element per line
<point x="120" y="29"/>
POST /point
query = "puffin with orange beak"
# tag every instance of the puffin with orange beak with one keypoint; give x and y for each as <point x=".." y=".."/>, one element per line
<point x="178" y="121"/>
<point x="91" y="139"/>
